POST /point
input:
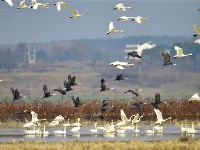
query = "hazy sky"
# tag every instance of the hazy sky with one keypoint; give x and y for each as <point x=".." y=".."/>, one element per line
<point x="173" y="18"/>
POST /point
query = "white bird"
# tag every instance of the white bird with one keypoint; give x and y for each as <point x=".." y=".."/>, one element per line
<point x="197" y="30"/>
<point x="61" y="3"/>
<point x="76" y="14"/>
<point x="95" y="130"/>
<point x="159" y="116"/>
<point x="10" y="2"/>
<point x="121" y="130"/>
<point x="150" y="131"/>
<point x="22" y="5"/>
<point x="53" y="123"/>
<point x="191" y="130"/>
<point x="140" y="20"/>
<point x="136" y="129"/>
<point x="183" y="129"/>
<point x="138" y="120"/>
<point x="124" y="18"/>
<point x="59" y="118"/>
<point x="124" y="118"/>
<point x="120" y="65"/>
<point x="194" y="97"/>
<point x="76" y="123"/>
<point x="35" y="5"/>
<point x="29" y="132"/>
<point x="68" y="123"/>
<point x="44" y="131"/>
<point x="60" y="131"/>
<point x="76" y="129"/>
<point x="112" y="29"/>
<point x="158" y="128"/>
<point x="179" y="52"/>
<point x="109" y="128"/>
<point x="121" y="7"/>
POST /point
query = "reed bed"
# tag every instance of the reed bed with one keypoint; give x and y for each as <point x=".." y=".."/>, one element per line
<point x="178" y="110"/>
<point x="178" y="144"/>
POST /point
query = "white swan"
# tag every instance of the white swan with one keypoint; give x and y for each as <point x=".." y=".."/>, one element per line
<point x="120" y="65"/>
<point x="68" y="123"/>
<point x="95" y="130"/>
<point x="191" y="130"/>
<point x="109" y="128"/>
<point x="10" y="2"/>
<point x="124" y="18"/>
<point x="138" y="120"/>
<point x="35" y="4"/>
<point x="44" y="131"/>
<point x="76" y="129"/>
<point x="197" y="30"/>
<point x="60" y="131"/>
<point x="179" y="53"/>
<point x="61" y="3"/>
<point x="121" y="7"/>
<point x="140" y="20"/>
<point x="183" y="129"/>
<point x="112" y="29"/>
<point x="194" y="97"/>
<point x="159" y="116"/>
<point x="150" y="131"/>
<point x="76" y="14"/>
<point x="22" y="5"/>
<point x="136" y="130"/>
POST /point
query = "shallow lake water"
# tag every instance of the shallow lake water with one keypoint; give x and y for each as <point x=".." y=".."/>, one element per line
<point x="169" y="132"/>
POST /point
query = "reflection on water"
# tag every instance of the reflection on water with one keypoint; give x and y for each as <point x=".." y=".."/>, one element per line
<point x="169" y="132"/>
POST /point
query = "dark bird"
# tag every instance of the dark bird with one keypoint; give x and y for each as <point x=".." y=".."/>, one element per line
<point x="166" y="57"/>
<point x="119" y="78"/>
<point x="157" y="101"/>
<point x="97" y="116"/>
<point x="135" y="92"/>
<point x="67" y="86"/>
<point x="60" y="90"/>
<point x="104" y="86"/>
<point x="133" y="54"/>
<point x="76" y="101"/>
<point x="47" y="93"/>
<point x="16" y="95"/>
<point x="137" y="106"/>
<point x="106" y="107"/>
<point x="71" y="80"/>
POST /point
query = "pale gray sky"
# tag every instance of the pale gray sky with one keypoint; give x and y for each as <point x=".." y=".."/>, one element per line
<point x="173" y="18"/>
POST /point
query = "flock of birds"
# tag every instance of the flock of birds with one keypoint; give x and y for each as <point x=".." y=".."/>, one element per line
<point x="125" y="123"/>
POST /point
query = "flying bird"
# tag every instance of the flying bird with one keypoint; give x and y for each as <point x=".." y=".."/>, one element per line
<point x="47" y="93"/>
<point x="120" y="65"/>
<point x="76" y="14"/>
<point x="166" y="57"/>
<point x="135" y="92"/>
<point x="9" y="2"/>
<point x="124" y="18"/>
<point x="76" y="101"/>
<point x="67" y="86"/>
<point x="197" y="30"/>
<point x="160" y="119"/>
<point x="35" y="5"/>
<point x="121" y="7"/>
<point x="16" y="94"/>
<point x="61" y="90"/>
<point x="61" y="3"/>
<point x="104" y="86"/>
<point x="2" y="11"/>
<point x="22" y="5"/>
<point x="137" y="106"/>
<point x="112" y="29"/>
<point x="106" y="107"/>
<point x="71" y="80"/>
<point x="179" y="53"/>
<point x="194" y="97"/>
<point x="134" y="54"/>
<point x="157" y="101"/>
<point x="119" y="78"/>
<point x="140" y="20"/>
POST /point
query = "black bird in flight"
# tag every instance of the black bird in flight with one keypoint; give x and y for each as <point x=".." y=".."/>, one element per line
<point x="135" y="92"/>
<point x="104" y="86"/>
<point x="106" y="107"/>
<point x="166" y="57"/>
<point x="16" y="94"/>
<point x="133" y="54"/>
<point x="76" y="101"/>
<point x="47" y="93"/>
<point x="119" y="78"/>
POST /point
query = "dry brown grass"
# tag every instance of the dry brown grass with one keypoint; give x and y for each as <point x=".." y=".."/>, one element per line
<point x="103" y="145"/>
<point x="177" y="110"/>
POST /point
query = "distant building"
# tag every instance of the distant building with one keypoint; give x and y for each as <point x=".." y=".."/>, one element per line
<point x="197" y="41"/>
<point x="31" y="57"/>
<point x="139" y="47"/>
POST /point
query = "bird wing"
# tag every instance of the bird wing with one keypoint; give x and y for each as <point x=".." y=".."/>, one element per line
<point x="45" y="89"/>
<point x="33" y="2"/>
<point x="73" y="99"/>
<point x="119" y="76"/>
<point x="197" y="29"/>
<point x="34" y="116"/>
<point x="166" y="57"/>
<point x="138" y="20"/>
<point x="123" y="116"/>
<point x="119" y="67"/>
<point x="111" y="26"/>
<point x="178" y="50"/>
<point x="158" y="114"/>
<point x="12" y="90"/>
<point x="22" y="3"/>
<point x="135" y="118"/>
<point x="157" y="98"/>
<point x="77" y="102"/>
<point x="64" y="4"/>
<point x="74" y="11"/>
<point x="104" y="103"/>
<point x="17" y="95"/>
<point x="69" y="78"/>
<point x="58" y="6"/>
<point x="72" y="80"/>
